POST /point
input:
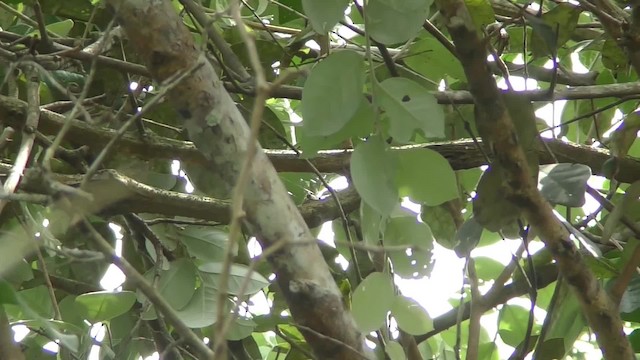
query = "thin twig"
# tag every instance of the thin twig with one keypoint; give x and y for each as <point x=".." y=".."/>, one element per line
<point x="28" y="132"/>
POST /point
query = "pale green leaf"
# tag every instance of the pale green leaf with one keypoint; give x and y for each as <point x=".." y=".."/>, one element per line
<point x="410" y="316"/>
<point x="237" y="273"/>
<point x="373" y="173"/>
<point x="371" y="301"/>
<point x="425" y="176"/>
<point x="106" y="305"/>
<point x="410" y="107"/>
<point x="324" y="15"/>
<point x="332" y="94"/>
<point x="392" y="21"/>
<point x="415" y="261"/>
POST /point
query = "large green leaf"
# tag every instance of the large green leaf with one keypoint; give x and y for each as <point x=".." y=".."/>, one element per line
<point x="176" y="285"/>
<point x="431" y="59"/>
<point x="425" y="176"/>
<point x="372" y="300"/>
<point x="410" y="316"/>
<point x="324" y="15"/>
<point x="237" y="273"/>
<point x="410" y="107"/>
<point x="554" y="29"/>
<point x="106" y="305"/>
<point x="565" y="184"/>
<point x="392" y="21"/>
<point x="373" y="173"/>
<point x="441" y="223"/>
<point x="512" y="324"/>
<point x="332" y="93"/>
<point x="360" y="125"/>
<point x="415" y="261"/>
<point x="201" y="310"/>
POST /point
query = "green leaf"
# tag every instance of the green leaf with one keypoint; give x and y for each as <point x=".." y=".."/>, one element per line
<point x="545" y="40"/>
<point x="237" y="274"/>
<point x="441" y="223"/>
<point x="488" y="351"/>
<point x="391" y="21"/>
<point x="410" y="107"/>
<point x="106" y="305"/>
<point x="372" y="300"/>
<point x="613" y="57"/>
<point x="394" y="351"/>
<point x="204" y="242"/>
<point x="407" y="231"/>
<point x="490" y="207"/>
<point x="373" y="173"/>
<point x="332" y="94"/>
<point x="425" y="176"/>
<point x="634" y="339"/>
<point x="324" y="15"/>
<point x="201" y="310"/>
<point x="7" y="293"/>
<point x="360" y="125"/>
<point x="512" y="324"/>
<point x="624" y="135"/>
<point x="410" y="316"/>
<point x="487" y="268"/>
<point x="468" y="237"/>
<point x="176" y="285"/>
<point x="481" y="13"/>
<point x="241" y="328"/>
<point x="431" y="59"/>
<point x="564" y="184"/>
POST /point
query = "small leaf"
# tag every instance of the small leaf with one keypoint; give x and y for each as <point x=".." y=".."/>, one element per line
<point x="468" y="237"/>
<point x="411" y="107"/>
<point x="332" y="94"/>
<point x="106" y="305"/>
<point x="237" y="274"/>
<point x="441" y="223"/>
<point x="324" y="15"/>
<point x="391" y="21"/>
<point x="624" y="135"/>
<point x="410" y="316"/>
<point x="371" y="301"/>
<point x="373" y="173"/>
<point x="564" y="184"/>
<point x="425" y="176"/>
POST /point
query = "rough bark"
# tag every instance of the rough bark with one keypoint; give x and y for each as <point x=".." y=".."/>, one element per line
<point x="496" y="128"/>
<point x="219" y="131"/>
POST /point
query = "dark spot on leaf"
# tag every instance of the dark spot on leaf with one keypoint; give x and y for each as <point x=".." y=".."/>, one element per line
<point x="406" y="98"/>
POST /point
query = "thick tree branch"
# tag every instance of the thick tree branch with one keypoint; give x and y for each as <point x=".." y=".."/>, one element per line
<point x="495" y="127"/>
<point x="115" y="194"/>
<point x="462" y="154"/>
<point x="219" y="131"/>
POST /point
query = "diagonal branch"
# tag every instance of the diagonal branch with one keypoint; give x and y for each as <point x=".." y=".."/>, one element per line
<point x="496" y="128"/>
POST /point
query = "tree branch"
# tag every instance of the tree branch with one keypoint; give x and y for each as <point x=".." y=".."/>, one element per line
<point x="495" y="127"/>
